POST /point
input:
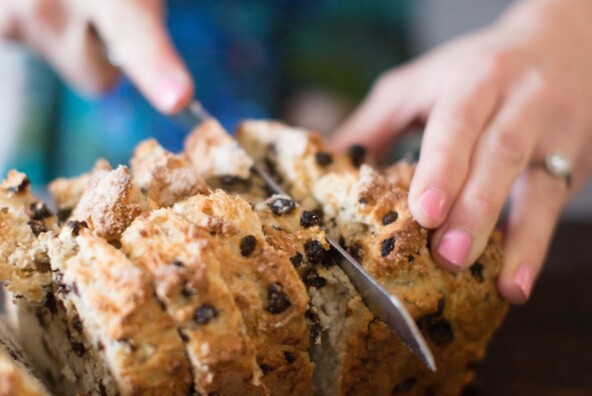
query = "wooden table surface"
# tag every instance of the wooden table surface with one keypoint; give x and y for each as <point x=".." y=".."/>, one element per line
<point x="545" y="347"/>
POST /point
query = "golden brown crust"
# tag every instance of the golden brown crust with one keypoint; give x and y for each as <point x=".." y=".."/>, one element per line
<point x="295" y="156"/>
<point x="110" y="203"/>
<point x="216" y="156"/>
<point x="266" y="289"/>
<point x="458" y="313"/>
<point x="215" y="153"/>
<point x="184" y="263"/>
<point x="164" y="177"/>
<point x="400" y="174"/>
<point x="66" y="192"/>
<point x="116" y="302"/>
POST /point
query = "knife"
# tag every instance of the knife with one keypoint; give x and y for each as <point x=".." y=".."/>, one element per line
<point x="384" y="305"/>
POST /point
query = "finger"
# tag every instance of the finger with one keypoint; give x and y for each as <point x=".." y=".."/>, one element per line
<point x="135" y="34"/>
<point x="394" y="102"/>
<point x="453" y="127"/>
<point x="500" y="155"/>
<point x="64" y="39"/>
<point x="537" y="200"/>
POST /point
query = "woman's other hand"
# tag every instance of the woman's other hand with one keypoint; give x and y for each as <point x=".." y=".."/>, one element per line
<point x="493" y="102"/>
<point x="75" y="37"/>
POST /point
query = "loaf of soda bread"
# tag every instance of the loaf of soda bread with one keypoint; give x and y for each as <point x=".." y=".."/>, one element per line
<point x="185" y="274"/>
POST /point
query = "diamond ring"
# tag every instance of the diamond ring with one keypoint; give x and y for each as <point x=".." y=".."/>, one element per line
<point x="558" y="166"/>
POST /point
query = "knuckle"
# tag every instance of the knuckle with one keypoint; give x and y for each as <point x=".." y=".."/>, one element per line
<point x="507" y="146"/>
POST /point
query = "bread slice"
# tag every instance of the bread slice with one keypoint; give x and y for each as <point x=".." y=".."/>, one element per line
<point x="184" y="264"/>
<point x="164" y="177"/>
<point x="296" y="232"/>
<point x="120" y="317"/>
<point x="17" y="376"/>
<point x="265" y="286"/>
<point x="458" y="313"/>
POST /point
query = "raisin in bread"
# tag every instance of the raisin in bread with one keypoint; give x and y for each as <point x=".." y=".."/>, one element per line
<point x="185" y="265"/>
<point x="17" y="376"/>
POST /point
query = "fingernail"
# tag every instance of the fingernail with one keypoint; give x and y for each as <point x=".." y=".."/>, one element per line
<point x="523" y="279"/>
<point x="455" y="246"/>
<point x="432" y="203"/>
<point x="172" y="92"/>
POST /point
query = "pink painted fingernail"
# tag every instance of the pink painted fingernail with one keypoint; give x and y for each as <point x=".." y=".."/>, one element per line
<point x="523" y="279"/>
<point x="172" y="92"/>
<point x="455" y="246"/>
<point x="432" y="203"/>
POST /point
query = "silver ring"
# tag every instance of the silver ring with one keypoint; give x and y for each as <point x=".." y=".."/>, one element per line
<point x="558" y="166"/>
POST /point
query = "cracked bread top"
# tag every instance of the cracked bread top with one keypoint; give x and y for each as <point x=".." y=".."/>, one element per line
<point x="110" y="203"/>
<point x="66" y="192"/>
<point x="164" y="177"/>
<point x="215" y="153"/>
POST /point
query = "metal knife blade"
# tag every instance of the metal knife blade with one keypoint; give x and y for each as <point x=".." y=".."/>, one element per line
<point x="384" y="305"/>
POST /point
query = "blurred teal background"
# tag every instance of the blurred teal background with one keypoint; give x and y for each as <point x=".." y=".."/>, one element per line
<point x="248" y="58"/>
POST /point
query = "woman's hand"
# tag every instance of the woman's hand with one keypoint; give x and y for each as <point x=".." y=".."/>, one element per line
<point x="72" y="34"/>
<point x="495" y="102"/>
